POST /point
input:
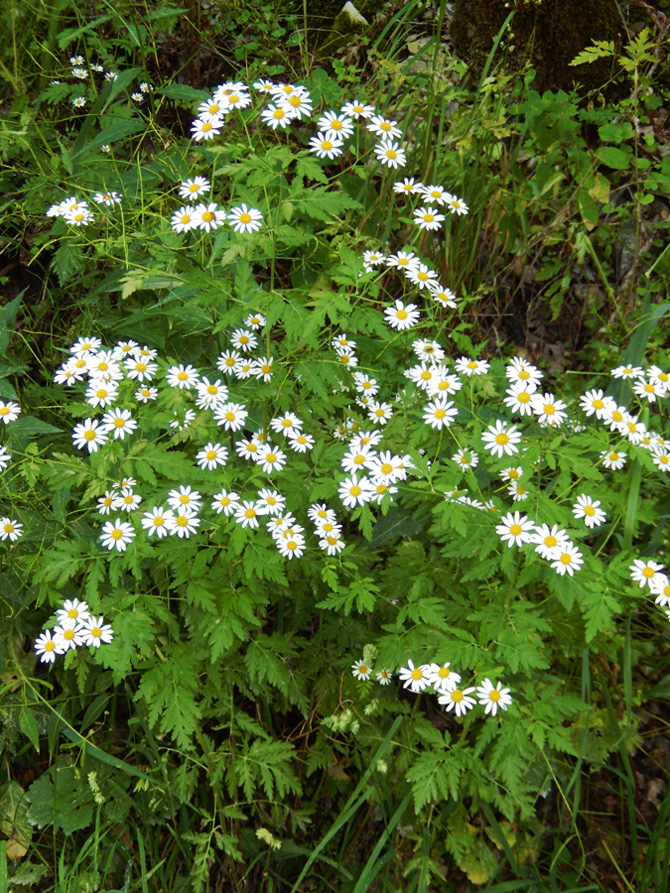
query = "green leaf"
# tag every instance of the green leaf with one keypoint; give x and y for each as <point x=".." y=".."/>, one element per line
<point x="114" y="133"/>
<point x="615" y="158"/>
<point x="184" y="93"/>
<point x="28" y="725"/>
<point x="434" y="777"/>
<point x="398" y="522"/>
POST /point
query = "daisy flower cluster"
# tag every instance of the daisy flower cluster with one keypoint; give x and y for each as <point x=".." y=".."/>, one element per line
<point x="10" y="528"/>
<point x="401" y="315"/>
<point x="653" y="576"/>
<point x="445" y="684"/>
<point x="75" y="626"/>
<point x="648" y="387"/>
<point x="84" y="73"/>
<point x="432" y="200"/>
<point x="76" y="211"/>
<point x="117" y="382"/>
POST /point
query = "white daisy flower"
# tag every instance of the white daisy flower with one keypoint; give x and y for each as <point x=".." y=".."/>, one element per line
<point x="502" y="439"/>
<point x="117" y="535"/>
<point x="156" y="521"/>
<point x="225" y="501"/>
<point x="458" y="700"/>
<point x="515" y="529"/>
<point x="211" y="456"/>
<point x="244" y="219"/>
<point x="586" y="508"/>
<point x="402" y="316"/>
<point x="493" y="697"/>
<point x="567" y="559"/>
<point x="415" y="678"/>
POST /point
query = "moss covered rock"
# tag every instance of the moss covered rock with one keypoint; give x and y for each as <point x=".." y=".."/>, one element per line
<point x="553" y="32"/>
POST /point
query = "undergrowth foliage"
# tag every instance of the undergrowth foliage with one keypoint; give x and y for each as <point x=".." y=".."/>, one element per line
<point x="274" y="510"/>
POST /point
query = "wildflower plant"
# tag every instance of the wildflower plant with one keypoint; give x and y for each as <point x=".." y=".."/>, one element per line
<point x="283" y="472"/>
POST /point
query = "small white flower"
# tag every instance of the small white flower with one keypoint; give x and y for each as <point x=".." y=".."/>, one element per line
<point x="587" y="509"/>
<point x="458" y="700"/>
<point x="117" y="535"/>
<point x="244" y="219"/>
<point x="415" y="678"/>
<point x="567" y="559"/>
<point x="493" y="697"/>
<point x="645" y="572"/>
<point x="225" y="501"/>
<point x="212" y="456"/>
<point x="515" y="529"/>
<point x="502" y="439"/>
<point x="402" y="316"/>
<point x="183" y="523"/>
<point x="361" y="670"/>
<point x="156" y="521"/>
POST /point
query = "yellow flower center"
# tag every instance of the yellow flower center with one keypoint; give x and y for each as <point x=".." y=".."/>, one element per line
<point x="194" y="186"/>
<point x="417" y="673"/>
<point x="206" y="126"/>
<point x="617" y="416"/>
<point x="185" y="218"/>
<point x="117" y="534"/>
<point x="549" y="409"/>
<point x="523" y="397"/>
<point x="230" y="416"/>
<point x="158" y="521"/>
<point x="182" y="376"/>
<point x="265" y="368"/>
<point x="355" y="490"/>
<point x="428" y="218"/>
<point x="211" y="454"/>
<point x="614" y="457"/>
<point x="648" y="573"/>
<point x="101" y="393"/>
<point x="457" y="696"/>
<point x="502" y="438"/>
<point x="402" y="314"/>
<point x="208" y="216"/>
<point x="49" y="646"/>
<point x="68" y="634"/>
<point x="597" y="404"/>
<point x="589" y="510"/>
<point x="96" y="632"/>
<point x="387" y="468"/>
<point x="278" y="114"/>
<point x="326" y="145"/>
<point x="89" y="435"/>
<point x="566" y="558"/>
<point x="119" y="423"/>
<point x="516" y="529"/>
<point x="245" y="218"/>
<point x="249" y="513"/>
<point x="440" y="413"/>
<point x="443" y="672"/>
<point x="182" y="521"/>
<point x="494" y="695"/>
<point x="390" y="153"/>
<point x="128" y="500"/>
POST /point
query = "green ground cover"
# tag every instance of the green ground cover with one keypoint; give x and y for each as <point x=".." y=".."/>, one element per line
<point x="334" y="457"/>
